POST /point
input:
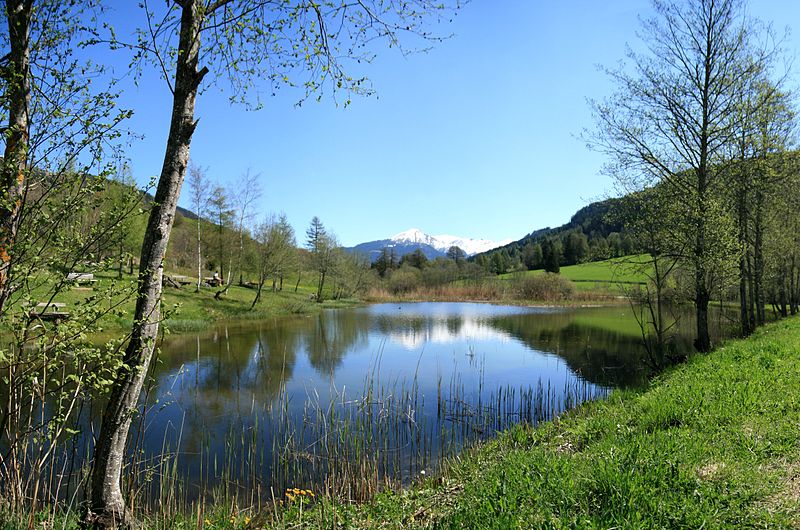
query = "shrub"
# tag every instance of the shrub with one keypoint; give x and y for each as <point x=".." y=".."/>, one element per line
<point x="547" y="287"/>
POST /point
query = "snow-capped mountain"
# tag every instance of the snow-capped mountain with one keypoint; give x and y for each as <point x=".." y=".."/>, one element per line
<point x="432" y="246"/>
<point x="445" y="241"/>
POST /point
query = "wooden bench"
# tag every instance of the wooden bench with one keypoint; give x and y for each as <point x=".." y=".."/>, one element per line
<point x="50" y="311"/>
<point x="81" y="277"/>
<point x="183" y="280"/>
<point x="213" y="282"/>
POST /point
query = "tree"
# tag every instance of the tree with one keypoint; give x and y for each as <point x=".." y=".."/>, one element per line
<point x="673" y="117"/>
<point x="416" y="259"/>
<point x="551" y="255"/>
<point x="245" y="42"/>
<point x="59" y="129"/>
<point x="532" y="256"/>
<point x="198" y="188"/>
<point x="222" y="214"/>
<point x="766" y="125"/>
<point x="456" y="254"/>
<point x="321" y="246"/>
<point x="650" y="218"/>
<point x="576" y="248"/>
<point x="386" y="262"/>
<point x="247" y="192"/>
<point x="277" y="250"/>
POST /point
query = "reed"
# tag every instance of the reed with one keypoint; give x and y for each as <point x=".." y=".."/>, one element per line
<point x="346" y="446"/>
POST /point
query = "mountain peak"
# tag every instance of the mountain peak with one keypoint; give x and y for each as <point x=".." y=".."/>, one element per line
<point x="445" y="241"/>
<point x="433" y="246"/>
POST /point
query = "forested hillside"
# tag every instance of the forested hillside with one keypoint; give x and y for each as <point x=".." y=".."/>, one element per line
<point x="595" y="232"/>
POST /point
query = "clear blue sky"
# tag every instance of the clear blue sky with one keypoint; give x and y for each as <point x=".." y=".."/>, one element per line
<point x="475" y="138"/>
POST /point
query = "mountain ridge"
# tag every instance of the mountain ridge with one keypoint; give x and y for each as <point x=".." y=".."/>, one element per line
<point x="433" y="247"/>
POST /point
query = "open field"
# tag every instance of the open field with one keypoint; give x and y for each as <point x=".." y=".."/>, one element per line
<point x="599" y="275"/>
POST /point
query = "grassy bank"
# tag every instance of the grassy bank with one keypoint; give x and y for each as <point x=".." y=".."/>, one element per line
<point x="188" y="310"/>
<point x="712" y="443"/>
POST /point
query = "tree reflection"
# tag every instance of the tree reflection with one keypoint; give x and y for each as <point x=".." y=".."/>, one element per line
<point x="334" y="334"/>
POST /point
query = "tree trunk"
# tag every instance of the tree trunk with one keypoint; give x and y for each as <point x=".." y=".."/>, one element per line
<point x="703" y="341"/>
<point x="199" y="255"/>
<point x="758" y="259"/>
<point x="702" y="297"/>
<point x="16" y="77"/>
<point x="107" y="508"/>
<point x="319" y="286"/>
<point x="121" y="260"/>
<point x="751" y="289"/>
<point x="258" y="293"/>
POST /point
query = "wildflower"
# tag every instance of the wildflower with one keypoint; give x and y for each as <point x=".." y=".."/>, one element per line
<point x="246" y="520"/>
<point x="290" y="496"/>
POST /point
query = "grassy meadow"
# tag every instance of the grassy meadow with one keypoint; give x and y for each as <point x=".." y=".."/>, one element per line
<point x="188" y="310"/>
<point x="602" y="276"/>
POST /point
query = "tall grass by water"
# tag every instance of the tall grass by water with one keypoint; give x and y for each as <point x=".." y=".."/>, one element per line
<point x="346" y="446"/>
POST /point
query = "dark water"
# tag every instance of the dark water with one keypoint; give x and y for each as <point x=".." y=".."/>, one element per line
<point x="351" y="399"/>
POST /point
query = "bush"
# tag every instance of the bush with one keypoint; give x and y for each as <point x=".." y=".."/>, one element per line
<point x="547" y="287"/>
<point x="405" y="279"/>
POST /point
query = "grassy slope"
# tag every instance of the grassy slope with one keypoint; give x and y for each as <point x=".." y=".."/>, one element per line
<point x="188" y="310"/>
<point x="712" y="443"/>
<point x="607" y="271"/>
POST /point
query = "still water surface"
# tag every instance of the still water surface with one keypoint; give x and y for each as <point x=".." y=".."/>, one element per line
<point x="384" y="390"/>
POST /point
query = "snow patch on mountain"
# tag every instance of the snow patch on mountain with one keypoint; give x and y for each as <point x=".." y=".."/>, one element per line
<point x="445" y="241"/>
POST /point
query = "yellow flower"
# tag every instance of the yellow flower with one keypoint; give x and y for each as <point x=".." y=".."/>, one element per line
<point x="246" y="520"/>
<point x="297" y="491"/>
<point x="291" y="497"/>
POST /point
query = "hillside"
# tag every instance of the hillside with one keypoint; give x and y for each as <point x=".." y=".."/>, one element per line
<point x="593" y="233"/>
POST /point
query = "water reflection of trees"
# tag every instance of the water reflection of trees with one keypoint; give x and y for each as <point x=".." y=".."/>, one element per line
<point x="599" y="353"/>
<point x="332" y="335"/>
<point x="600" y="356"/>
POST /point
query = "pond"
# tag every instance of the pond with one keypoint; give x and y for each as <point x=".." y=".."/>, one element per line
<point x="348" y="401"/>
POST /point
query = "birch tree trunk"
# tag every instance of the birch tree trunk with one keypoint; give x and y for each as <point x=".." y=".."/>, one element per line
<point x="16" y="78"/>
<point x="108" y="509"/>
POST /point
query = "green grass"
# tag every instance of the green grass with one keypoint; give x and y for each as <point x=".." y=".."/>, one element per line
<point x="187" y="310"/>
<point x="712" y="443"/>
<point x="600" y="274"/>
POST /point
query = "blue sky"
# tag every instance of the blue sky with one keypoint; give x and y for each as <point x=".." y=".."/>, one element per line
<point x="477" y="137"/>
